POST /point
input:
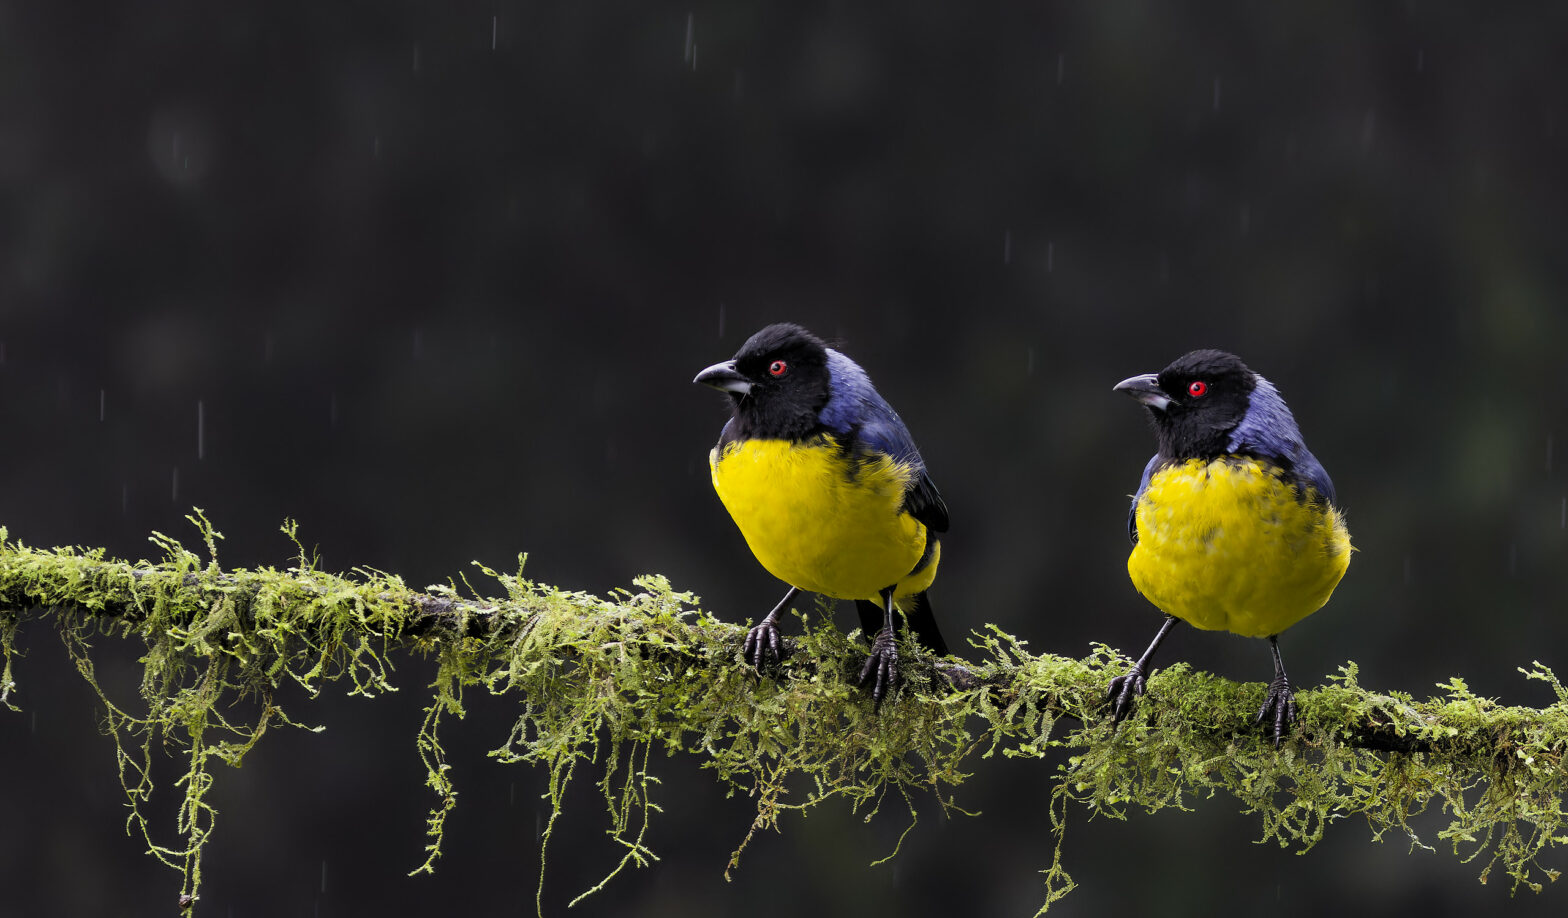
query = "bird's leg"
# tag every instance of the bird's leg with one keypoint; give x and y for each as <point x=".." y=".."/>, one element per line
<point x="763" y="638"/>
<point x="1280" y="702"/>
<point x="883" y="661"/>
<point x="1125" y="689"/>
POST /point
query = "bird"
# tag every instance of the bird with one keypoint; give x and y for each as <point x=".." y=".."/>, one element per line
<point x="826" y="485"/>
<point x="1235" y="525"/>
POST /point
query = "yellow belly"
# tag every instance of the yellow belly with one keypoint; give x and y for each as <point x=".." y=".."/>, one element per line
<point x="815" y="526"/>
<point x="1228" y="546"/>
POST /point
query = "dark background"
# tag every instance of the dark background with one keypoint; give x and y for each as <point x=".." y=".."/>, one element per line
<point x="435" y="277"/>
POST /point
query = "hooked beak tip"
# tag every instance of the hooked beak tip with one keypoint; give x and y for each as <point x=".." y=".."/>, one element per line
<point x="725" y="378"/>
<point x="1145" y="389"/>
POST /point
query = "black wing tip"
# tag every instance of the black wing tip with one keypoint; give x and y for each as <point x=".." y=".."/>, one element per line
<point x="922" y="621"/>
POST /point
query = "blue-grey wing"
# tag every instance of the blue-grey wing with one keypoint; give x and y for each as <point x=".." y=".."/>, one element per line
<point x="1143" y="485"/>
<point x="1269" y="431"/>
<point x="729" y="434"/>
<point x="1308" y="470"/>
<point x="859" y="415"/>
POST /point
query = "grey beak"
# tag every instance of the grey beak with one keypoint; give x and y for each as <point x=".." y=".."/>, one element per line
<point x="725" y="378"/>
<point x="1146" y="389"/>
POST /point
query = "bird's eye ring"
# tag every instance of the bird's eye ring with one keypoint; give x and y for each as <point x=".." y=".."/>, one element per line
<point x="778" y="368"/>
<point x="1197" y="388"/>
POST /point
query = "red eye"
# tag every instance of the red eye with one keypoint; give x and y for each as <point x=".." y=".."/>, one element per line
<point x="778" y="368"/>
<point x="1197" y="387"/>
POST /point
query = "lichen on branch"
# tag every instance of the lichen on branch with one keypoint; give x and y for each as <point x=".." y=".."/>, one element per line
<point x="603" y="682"/>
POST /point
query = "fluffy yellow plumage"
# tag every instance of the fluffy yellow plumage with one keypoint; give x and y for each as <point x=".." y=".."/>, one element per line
<point x="1229" y="545"/>
<point x="814" y="526"/>
<point x="825" y="483"/>
<point x="1235" y="525"/>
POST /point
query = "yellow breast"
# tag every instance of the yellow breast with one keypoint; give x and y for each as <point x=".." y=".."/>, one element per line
<point x="819" y="522"/>
<point x="1229" y="545"/>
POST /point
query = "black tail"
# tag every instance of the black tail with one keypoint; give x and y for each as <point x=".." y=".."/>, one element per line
<point x="918" y="615"/>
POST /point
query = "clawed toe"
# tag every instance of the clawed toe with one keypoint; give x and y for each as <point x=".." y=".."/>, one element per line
<point x="1123" y="692"/>
<point x="762" y="641"/>
<point x="1279" y="708"/>
<point x="883" y="664"/>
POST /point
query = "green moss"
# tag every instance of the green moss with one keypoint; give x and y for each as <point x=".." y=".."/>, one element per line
<point x="603" y="683"/>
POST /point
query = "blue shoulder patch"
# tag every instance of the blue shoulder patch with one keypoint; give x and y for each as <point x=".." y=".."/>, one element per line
<point x="728" y="435"/>
<point x="855" y="407"/>
<point x="856" y="411"/>
<point x="1269" y="431"/>
<point x="1143" y="485"/>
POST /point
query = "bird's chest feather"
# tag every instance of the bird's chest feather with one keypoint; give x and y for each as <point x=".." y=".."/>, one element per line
<point x="1230" y="545"/>
<point x="816" y="519"/>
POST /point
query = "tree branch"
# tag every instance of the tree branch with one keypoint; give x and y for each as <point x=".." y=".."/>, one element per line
<point x="645" y="667"/>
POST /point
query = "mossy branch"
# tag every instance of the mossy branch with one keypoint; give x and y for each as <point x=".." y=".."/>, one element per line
<point x="605" y="681"/>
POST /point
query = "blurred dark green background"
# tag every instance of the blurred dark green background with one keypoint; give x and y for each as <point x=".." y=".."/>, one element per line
<point x="433" y="278"/>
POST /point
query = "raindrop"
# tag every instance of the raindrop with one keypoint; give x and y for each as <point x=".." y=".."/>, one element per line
<point x="201" y="430"/>
<point x="511" y="794"/>
<point x="1246" y="218"/>
<point x="102" y="404"/>
<point x="740" y="85"/>
<point x="1050" y="256"/>
<point x="125" y="498"/>
<point x="332" y="410"/>
<point x="689" y="55"/>
<point x="375" y="147"/>
<point x="35" y="721"/>
<point x="1513" y="559"/>
<point x="323" y="878"/>
<point x="495" y="27"/>
<point x="1216" y="93"/>
<point x="1368" y="129"/>
<point x="416" y="57"/>
<point x="1407" y="570"/>
<point x="174" y="488"/>
<point x="1420" y="60"/>
<point x="721" y="320"/>
<point x="419" y="344"/>
<point x="1029" y="361"/>
<point x="1061" y="65"/>
<point x="1007" y="247"/>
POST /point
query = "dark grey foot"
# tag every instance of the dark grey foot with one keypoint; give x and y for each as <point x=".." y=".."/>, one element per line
<point x="1123" y="692"/>
<point x="883" y="664"/>
<point x="761" y="641"/>
<point x="1279" y="706"/>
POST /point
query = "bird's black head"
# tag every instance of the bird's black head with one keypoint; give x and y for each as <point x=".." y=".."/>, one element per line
<point x="1195" y="403"/>
<point x="777" y="383"/>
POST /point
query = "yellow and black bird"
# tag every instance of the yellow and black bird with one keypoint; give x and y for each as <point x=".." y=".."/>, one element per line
<point x="1234" y="525"/>
<point x="826" y="485"/>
